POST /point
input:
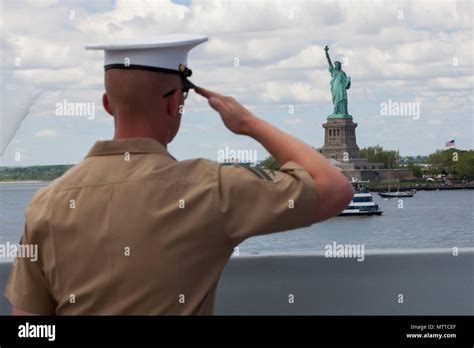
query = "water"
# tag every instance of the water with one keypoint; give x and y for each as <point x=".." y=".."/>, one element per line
<point x="13" y="201"/>
<point x="431" y="219"/>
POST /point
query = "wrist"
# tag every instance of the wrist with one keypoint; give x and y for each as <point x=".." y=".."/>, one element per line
<point x="252" y="126"/>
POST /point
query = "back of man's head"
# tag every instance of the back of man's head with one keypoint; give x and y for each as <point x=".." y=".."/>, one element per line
<point x="135" y="99"/>
<point x="138" y="91"/>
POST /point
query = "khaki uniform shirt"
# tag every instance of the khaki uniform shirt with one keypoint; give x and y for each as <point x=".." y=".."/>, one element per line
<point x="130" y="230"/>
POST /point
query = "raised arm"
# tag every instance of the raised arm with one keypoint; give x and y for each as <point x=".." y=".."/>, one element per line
<point x="326" y="48"/>
<point x="334" y="192"/>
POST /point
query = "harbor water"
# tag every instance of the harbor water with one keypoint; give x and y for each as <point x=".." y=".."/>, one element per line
<point x="431" y="219"/>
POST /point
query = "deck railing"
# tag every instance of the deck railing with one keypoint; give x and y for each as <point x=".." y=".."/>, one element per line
<point x="387" y="282"/>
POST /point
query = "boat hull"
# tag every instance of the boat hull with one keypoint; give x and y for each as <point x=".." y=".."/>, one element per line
<point x="361" y="213"/>
<point x="396" y="194"/>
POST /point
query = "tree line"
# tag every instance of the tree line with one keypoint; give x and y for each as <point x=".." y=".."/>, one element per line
<point x="459" y="164"/>
<point x="40" y="173"/>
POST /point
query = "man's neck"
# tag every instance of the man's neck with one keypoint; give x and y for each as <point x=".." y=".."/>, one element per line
<point x="138" y="131"/>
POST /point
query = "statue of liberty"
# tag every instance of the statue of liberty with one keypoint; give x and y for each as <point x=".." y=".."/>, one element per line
<point x="340" y="82"/>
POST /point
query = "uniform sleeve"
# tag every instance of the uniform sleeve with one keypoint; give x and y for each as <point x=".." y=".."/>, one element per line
<point x="27" y="287"/>
<point x="254" y="202"/>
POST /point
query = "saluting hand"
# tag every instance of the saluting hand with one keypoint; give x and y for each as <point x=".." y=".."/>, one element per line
<point x="236" y="117"/>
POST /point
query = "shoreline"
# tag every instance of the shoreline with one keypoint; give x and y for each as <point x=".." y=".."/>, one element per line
<point x="22" y="181"/>
<point x="372" y="189"/>
<point x="425" y="188"/>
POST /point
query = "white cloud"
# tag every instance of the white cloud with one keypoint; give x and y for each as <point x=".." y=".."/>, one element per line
<point x="299" y="92"/>
<point x="46" y="133"/>
<point x="293" y="121"/>
<point x="279" y="44"/>
<point x="264" y="36"/>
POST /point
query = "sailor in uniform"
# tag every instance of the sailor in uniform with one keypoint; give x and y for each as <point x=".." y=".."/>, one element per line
<point x="132" y="230"/>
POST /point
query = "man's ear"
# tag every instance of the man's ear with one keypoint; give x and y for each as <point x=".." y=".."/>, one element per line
<point x="173" y="103"/>
<point x="105" y="103"/>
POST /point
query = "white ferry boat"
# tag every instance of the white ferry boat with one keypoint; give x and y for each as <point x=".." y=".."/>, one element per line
<point x="362" y="203"/>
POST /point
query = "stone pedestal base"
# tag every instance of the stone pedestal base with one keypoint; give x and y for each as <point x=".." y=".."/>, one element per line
<point x="340" y="139"/>
<point x="341" y="148"/>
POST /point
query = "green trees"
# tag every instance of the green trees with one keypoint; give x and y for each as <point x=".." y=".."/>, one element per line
<point x="42" y="173"/>
<point x="270" y="163"/>
<point x="458" y="163"/>
<point x="417" y="172"/>
<point x="377" y="154"/>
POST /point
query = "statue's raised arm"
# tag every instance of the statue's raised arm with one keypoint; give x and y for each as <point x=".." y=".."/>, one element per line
<point x="326" y="48"/>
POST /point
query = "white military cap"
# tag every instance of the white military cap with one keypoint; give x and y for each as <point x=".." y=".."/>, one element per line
<point x="166" y="53"/>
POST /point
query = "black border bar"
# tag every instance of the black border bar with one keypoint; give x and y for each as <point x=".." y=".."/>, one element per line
<point x="139" y="330"/>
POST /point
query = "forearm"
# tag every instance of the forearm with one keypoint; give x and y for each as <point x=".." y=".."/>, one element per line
<point x="334" y="191"/>
<point x="284" y="148"/>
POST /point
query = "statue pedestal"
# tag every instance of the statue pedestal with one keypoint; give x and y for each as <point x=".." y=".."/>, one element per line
<point x="340" y="139"/>
<point x="340" y="145"/>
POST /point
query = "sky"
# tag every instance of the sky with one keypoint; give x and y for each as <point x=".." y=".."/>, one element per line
<point x="267" y="54"/>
